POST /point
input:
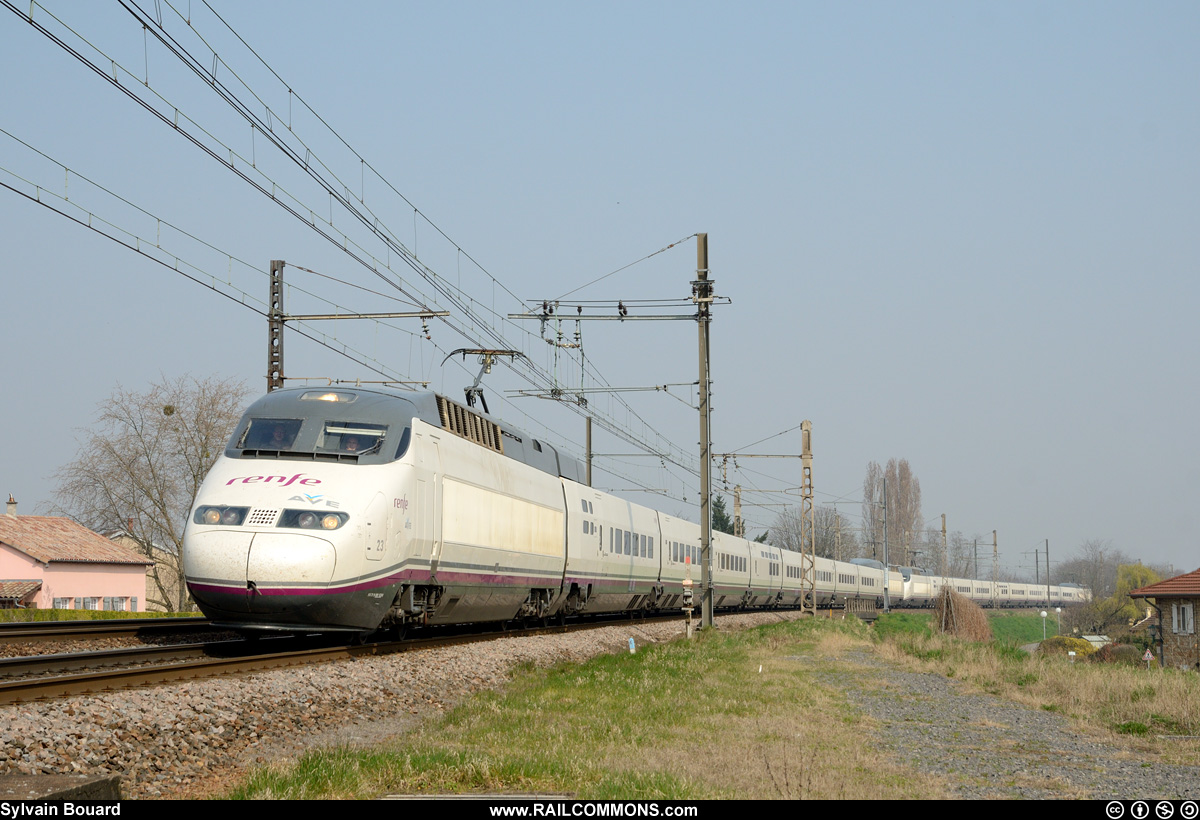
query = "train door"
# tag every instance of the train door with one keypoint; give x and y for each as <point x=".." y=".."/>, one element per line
<point x="375" y="531"/>
<point x="427" y="520"/>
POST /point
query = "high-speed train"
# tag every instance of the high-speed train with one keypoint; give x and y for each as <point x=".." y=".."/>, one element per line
<point x="354" y="509"/>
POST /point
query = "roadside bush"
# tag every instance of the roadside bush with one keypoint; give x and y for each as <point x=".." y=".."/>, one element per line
<point x="1118" y="653"/>
<point x="1061" y="645"/>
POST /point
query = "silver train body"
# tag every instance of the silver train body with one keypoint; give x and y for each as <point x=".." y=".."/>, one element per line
<point x="356" y="509"/>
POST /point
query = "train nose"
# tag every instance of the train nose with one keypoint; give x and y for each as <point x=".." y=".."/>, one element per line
<point x="272" y="575"/>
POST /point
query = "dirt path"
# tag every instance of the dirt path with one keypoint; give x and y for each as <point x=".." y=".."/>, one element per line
<point x="982" y="746"/>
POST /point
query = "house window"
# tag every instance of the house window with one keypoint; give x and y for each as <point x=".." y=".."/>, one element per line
<point x="62" y="603"/>
<point x="1183" y="621"/>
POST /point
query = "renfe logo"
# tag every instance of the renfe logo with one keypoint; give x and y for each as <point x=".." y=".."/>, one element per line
<point x="281" y="480"/>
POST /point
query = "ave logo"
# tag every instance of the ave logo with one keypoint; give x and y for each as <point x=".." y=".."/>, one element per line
<point x="314" y="500"/>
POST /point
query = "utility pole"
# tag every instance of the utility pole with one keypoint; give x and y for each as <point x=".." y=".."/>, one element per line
<point x="945" y="551"/>
<point x="703" y="290"/>
<point x="808" y="545"/>
<point x="1047" y="570"/>
<point x="589" y="450"/>
<point x="276" y="318"/>
<point x="837" y="538"/>
<point x="739" y="526"/>
<point x="995" y="566"/>
<point x="886" y="576"/>
<point x="275" y="328"/>
<point x="703" y="297"/>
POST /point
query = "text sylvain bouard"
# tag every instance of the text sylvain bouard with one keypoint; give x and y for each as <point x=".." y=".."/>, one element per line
<point x="56" y="809"/>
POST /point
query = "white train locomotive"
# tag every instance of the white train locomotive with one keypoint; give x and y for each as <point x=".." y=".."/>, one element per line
<point x="355" y="509"/>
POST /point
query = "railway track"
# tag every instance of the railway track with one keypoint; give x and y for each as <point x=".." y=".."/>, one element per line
<point x="84" y="630"/>
<point x="42" y="677"/>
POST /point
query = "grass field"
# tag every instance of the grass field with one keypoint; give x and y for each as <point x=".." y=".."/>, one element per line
<point x="1017" y="628"/>
<point x="734" y="715"/>
<point x="727" y="715"/>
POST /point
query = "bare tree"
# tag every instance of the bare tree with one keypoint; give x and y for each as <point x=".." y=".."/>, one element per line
<point x="1094" y="565"/>
<point x="139" y="467"/>
<point x="959" y="557"/>
<point x="785" y="532"/>
<point x="873" y="504"/>
<point x="834" y="536"/>
<point x="900" y="504"/>
<point x="905" y="521"/>
<point x="931" y="551"/>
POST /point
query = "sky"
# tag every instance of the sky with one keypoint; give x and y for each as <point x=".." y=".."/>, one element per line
<point x="962" y="234"/>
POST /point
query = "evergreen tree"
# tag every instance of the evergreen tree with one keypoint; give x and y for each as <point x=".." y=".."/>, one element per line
<point x="721" y="520"/>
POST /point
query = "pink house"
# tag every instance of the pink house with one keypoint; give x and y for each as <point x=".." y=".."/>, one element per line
<point x="55" y="563"/>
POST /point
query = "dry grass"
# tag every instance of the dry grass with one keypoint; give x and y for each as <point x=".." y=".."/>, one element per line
<point x="742" y="716"/>
<point x="957" y="615"/>
<point x="1124" y="704"/>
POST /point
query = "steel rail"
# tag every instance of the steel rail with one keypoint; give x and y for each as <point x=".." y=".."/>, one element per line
<point x="82" y="630"/>
<point x="108" y="680"/>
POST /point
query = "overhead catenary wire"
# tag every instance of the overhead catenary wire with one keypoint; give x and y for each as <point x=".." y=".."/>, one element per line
<point x="146" y="246"/>
<point x="336" y="193"/>
<point x="249" y="173"/>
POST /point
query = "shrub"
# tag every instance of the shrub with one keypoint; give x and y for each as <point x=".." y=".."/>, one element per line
<point x="1061" y="645"/>
<point x="1118" y="653"/>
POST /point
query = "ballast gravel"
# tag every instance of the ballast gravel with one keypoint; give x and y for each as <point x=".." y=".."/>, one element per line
<point x="190" y="739"/>
<point x="193" y="739"/>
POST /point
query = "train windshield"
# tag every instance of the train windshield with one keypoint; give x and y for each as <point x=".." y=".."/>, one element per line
<point x="270" y="434"/>
<point x="346" y="426"/>
<point x="352" y="437"/>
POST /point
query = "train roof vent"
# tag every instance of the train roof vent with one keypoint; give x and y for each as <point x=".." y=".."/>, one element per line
<point x="465" y="422"/>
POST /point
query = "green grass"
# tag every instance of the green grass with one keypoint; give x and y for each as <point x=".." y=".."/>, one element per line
<point x="902" y="623"/>
<point x="726" y="715"/>
<point x="1021" y="628"/>
<point x="40" y="615"/>
<point x="1007" y="627"/>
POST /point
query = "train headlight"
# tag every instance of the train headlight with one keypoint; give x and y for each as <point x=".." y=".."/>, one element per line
<point x="309" y="520"/>
<point x="223" y="516"/>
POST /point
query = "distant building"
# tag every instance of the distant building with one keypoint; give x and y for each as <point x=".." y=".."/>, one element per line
<point x="53" y="563"/>
<point x="1175" y="600"/>
<point x="162" y="579"/>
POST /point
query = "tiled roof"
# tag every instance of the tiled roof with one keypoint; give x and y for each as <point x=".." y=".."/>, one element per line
<point x="1181" y="586"/>
<point x="16" y="590"/>
<point x="47" y="539"/>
